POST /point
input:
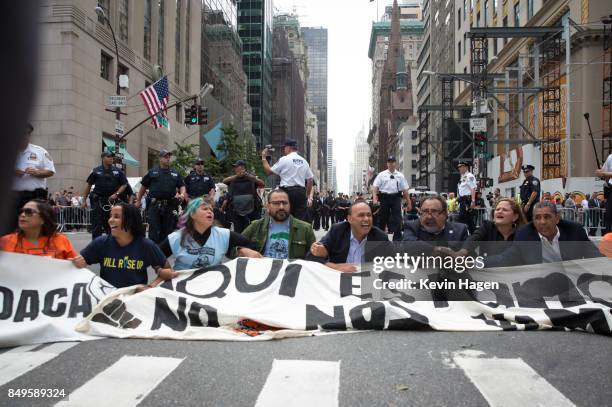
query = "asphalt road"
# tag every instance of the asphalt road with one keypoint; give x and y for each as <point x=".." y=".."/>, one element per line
<point x="389" y="368"/>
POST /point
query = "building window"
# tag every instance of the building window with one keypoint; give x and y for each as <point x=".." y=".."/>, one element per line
<point x="179" y="112"/>
<point x="415" y="134"/>
<point x="105" y="5"/>
<point x="123" y="20"/>
<point x="161" y="34"/>
<point x="177" y="43"/>
<point x="414" y="179"/>
<point x="486" y="6"/>
<point x="106" y="62"/>
<point x="414" y="149"/>
<point x="464" y="8"/>
<point x="495" y="3"/>
<point x="459" y="51"/>
<point x="517" y="15"/>
<point x="494" y="46"/>
<point x="529" y="9"/>
<point x="459" y="19"/>
<point x="414" y="163"/>
<point x="147" y="30"/>
<point x="478" y="19"/>
<point x="505" y="23"/>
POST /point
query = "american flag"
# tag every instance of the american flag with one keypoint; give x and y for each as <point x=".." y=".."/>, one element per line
<point x="155" y="98"/>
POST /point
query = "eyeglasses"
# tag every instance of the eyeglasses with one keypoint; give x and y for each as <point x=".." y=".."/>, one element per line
<point x="433" y="212"/>
<point x="27" y="211"/>
<point x="279" y="203"/>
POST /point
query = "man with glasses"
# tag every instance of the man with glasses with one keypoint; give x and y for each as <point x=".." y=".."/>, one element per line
<point x="433" y="225"/>
<point x="278" y="234"/>
<point x="198" y="182"/>
<point x="530" y="191"/>
<point x="388" y="188"/>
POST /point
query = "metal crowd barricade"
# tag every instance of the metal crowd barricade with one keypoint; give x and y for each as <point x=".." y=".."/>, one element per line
<point x="568" y="214"/>
<point x="480" y="215"/>
<point x="72" y="218"/>
<point x="593" y="219"/>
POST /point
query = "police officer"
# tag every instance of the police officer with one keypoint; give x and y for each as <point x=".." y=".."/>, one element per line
<point x="198" y="182"/>
<point x="296" y="178"/>
<point x="326" y="210"/>
<point x="166" y="191"/>
<point x="605" y="172"/>
<point x="109" y="183"/>
<point x="530" y="191"/>
<point x="388" y="188"/>
<point x="466" y="191"/>
<point x="34" y="165"/>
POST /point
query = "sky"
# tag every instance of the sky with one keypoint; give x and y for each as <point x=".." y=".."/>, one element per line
<point x="349" y="104"/>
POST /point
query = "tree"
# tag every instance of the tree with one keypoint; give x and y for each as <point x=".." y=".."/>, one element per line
<point x="185" y="156"/>
<point x="234" y="150"/>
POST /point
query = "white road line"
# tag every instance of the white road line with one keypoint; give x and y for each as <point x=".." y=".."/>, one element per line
<point x="509" y="382"/>
<point x="18" y="361"/>
<point x="125" y="383"/>
<point x="300" y="383"/>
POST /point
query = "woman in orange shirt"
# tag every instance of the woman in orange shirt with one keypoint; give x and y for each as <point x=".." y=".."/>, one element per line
<point x="37" y="234"/>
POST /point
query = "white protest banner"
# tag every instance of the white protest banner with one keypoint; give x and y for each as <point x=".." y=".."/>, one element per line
<point x="258" y="299"/>
<point x="42" y="299"/>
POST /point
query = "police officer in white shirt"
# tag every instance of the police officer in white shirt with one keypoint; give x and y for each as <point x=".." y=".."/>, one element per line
<point x="605" y="172"/>
<point x="388" y="188"/>
<point x="34" y="165"/>
<point x="296" y="178"/>
<point x="466" y="191"/>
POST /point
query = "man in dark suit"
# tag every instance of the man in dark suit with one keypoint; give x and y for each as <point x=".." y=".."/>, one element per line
<point x="593" y="216"/>
<point x="433" y="230"/>
<point x="344" y="245"/>
<point x="546" y="239"/>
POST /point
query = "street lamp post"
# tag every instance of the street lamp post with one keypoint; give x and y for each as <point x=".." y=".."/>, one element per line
<point x="100" y="12"/>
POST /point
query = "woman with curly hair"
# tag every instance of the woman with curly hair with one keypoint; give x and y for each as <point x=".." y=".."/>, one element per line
<point x="198" y="243"/>
<point x="126" y="253"/>
<point x="37" y="233"/>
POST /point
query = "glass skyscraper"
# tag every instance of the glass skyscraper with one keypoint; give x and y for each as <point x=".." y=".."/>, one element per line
<point x="316" y="41"/>
<point x="255" y="30"/>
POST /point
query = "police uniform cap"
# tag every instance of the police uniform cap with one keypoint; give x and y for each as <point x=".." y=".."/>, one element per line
<point x="528" y="167"/>
<point x="290" y="143"/>
<point x="391" y="158"/>
<point x="464" y="163"/>
<point x="240" y="163"/>
<point x="199" y="161"/>
<point x="163" y="152"/>
<point x="107" y="154"/>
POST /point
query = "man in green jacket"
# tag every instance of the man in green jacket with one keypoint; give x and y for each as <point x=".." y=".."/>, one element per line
<point x="279" y="235"/>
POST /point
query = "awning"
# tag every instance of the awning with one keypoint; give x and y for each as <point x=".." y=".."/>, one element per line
<point x="125" y="156"/>
<point x="213" y="138"/>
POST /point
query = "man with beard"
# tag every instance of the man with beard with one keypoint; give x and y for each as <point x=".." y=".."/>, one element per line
<point x="344" y="245"/>
<point x="433" y="226"/>
<point x="278" y="234"/>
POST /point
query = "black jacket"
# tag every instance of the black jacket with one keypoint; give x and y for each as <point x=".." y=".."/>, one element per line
<point x="337" y="242"/>
<point x="453" y="236"/>
<point x="521" y="253"/>
<point x="488" y="239"/>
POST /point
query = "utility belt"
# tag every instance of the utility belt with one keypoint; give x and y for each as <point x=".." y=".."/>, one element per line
<point x="97" y="197"/>
<point x="389" y="196"/>
<point x="162" y="202"/>
<point x="293" y="187"/>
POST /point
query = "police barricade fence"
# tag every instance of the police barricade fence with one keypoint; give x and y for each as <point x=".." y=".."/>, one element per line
<point x="76" y="218"/>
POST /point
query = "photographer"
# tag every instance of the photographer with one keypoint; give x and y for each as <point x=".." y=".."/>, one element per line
<point x="242" y="198"/>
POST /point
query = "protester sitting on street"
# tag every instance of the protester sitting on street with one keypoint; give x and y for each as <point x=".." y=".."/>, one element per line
<point x="37" y="233"/>
<point x="279" y="235"/>
<point x="553" y="240"/>
<point x="126" y="253"/>
<point x="433" y="226"/>
<point x="493" y="237"/>
<point x="200" y="244"/>
<point x="344" y="245"/>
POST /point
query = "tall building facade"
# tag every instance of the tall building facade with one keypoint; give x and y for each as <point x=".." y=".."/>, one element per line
<point x="331" y="166"/>
<point x="221" y="56"/>
<point x="78" y="70"/>
<point x="360" y="163"/>
<point x="315" y="39"/>
<point x="402" y="61"/>
<point x="255" y="30"/>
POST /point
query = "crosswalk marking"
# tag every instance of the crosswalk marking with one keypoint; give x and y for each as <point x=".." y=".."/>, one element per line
<point x="508" y="382"/>
<point x="16" y="362"/>
<point x="301" y="383"/>
<point x="125" y="383"/>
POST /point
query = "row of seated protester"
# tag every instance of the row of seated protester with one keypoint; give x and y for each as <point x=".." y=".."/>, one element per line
<point x="125" y="254"/>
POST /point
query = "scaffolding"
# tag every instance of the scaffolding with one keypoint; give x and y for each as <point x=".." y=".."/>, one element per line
<point x="551" y="107"/>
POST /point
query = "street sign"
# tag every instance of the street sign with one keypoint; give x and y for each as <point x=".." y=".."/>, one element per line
<point x="117" y="101"/>
<point x="478" y="124"/>
<point x="119" y="128"/>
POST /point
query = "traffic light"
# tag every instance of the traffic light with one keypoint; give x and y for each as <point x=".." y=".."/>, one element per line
<point x="203" y="116"/>
<point x="480" y="140"/>
<point x="191" y="114"/>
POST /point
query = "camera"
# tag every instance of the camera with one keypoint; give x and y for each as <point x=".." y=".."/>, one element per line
<point x="269" y="147"/>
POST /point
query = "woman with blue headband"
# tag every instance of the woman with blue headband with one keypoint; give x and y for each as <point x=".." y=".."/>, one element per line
<point x="200" y="244"/>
